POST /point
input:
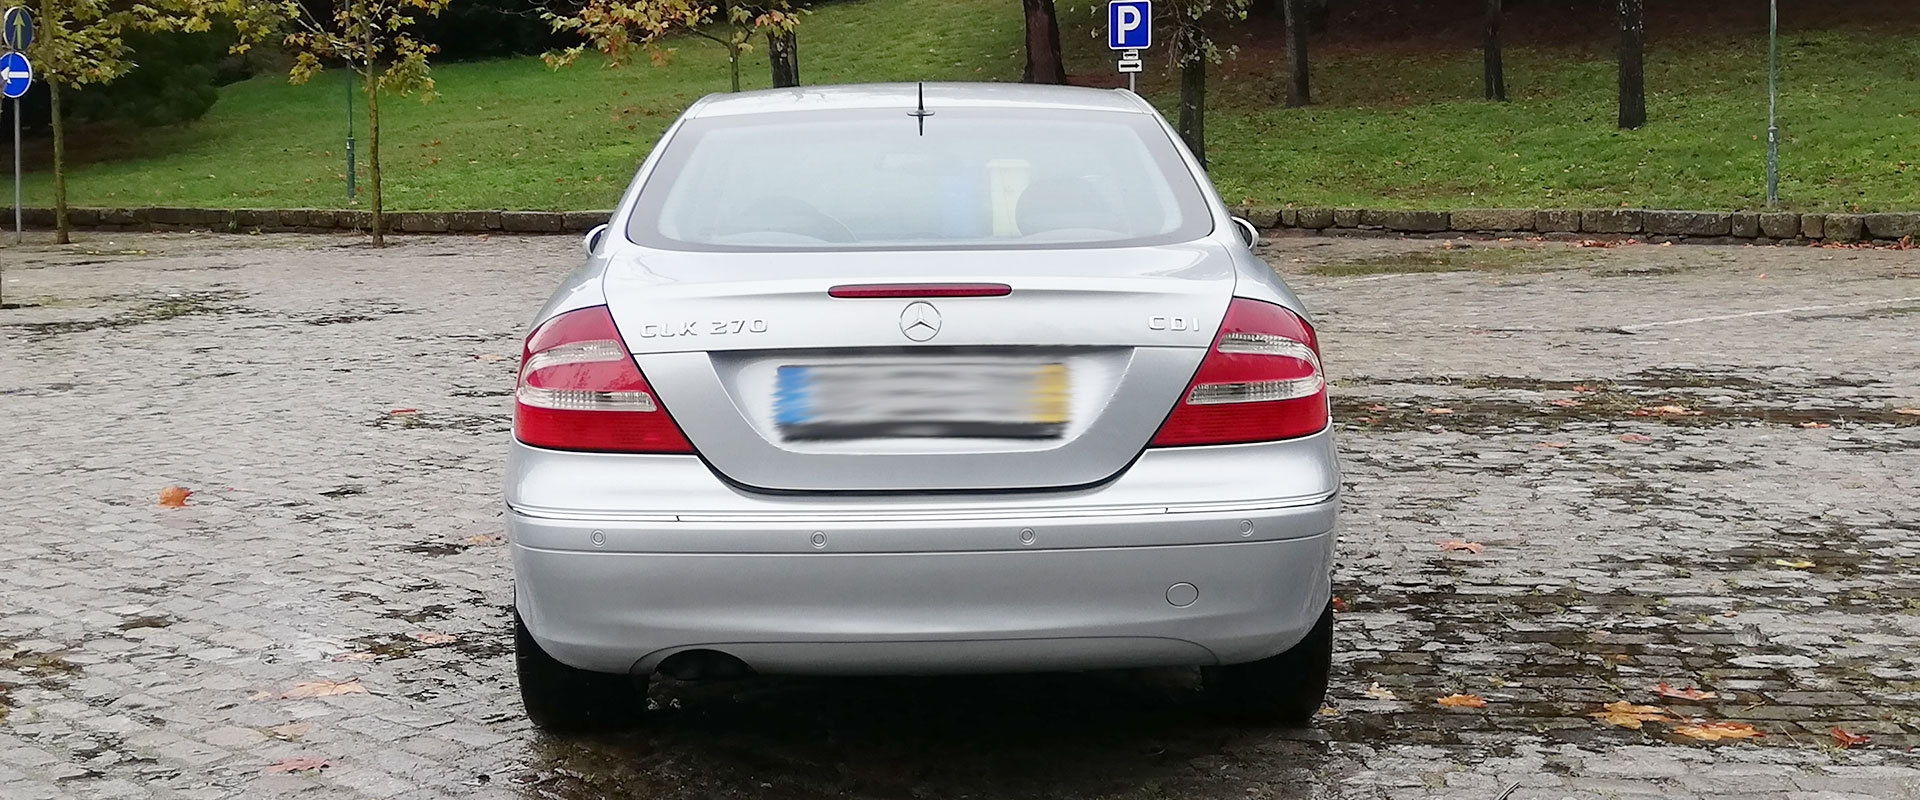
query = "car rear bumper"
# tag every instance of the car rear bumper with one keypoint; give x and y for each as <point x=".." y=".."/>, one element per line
<point x="813" y="597"/>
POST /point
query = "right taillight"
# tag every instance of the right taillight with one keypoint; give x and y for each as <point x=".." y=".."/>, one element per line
<point x="1261" y="381"/>
<point x="580" y="390"/>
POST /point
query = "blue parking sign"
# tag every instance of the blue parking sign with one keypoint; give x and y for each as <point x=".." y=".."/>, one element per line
<point x="1129" y="24"/>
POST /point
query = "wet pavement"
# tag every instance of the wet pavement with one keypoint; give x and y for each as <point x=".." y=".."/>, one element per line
<point x="1683" y="465"/>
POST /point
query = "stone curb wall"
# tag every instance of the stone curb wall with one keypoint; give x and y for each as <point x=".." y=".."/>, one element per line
<point x="313" y="220"/>
<point x="1678" y="226"/>
<point x="1656" y="226"/>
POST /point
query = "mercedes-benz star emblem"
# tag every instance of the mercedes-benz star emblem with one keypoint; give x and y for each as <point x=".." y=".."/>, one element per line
<point x="920" y="321"/>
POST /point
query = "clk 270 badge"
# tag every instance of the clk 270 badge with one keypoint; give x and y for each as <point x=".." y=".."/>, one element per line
<point x="721" y="327"/>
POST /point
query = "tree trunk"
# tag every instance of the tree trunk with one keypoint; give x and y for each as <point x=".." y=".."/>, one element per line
<point x="1193" y="104"/>
<point x="1043" y="44"/>
<point x="783" y="55"/>
<point x="1496" y="77"/>
<point x="1633" y="67"/>
<point x="733" y="63"/>
<point x="373" y="158"/>
<point x="62" y="231"/>
<point x="1298" y="91"/>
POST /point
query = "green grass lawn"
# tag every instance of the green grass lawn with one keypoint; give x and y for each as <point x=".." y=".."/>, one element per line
<point x="1394" y="127"/>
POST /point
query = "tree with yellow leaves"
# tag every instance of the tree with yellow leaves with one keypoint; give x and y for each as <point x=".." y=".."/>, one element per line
<point x="374" y="39"/>
<point x="621" y="29"/>
<point x="83" y="42"/>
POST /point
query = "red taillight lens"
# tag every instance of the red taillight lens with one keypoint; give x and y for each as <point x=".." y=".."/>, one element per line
<point x="580" y="390"/>
<point x="1262" y="381"/>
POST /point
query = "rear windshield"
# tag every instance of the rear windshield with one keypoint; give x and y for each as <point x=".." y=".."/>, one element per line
<point x="874" y="179"/>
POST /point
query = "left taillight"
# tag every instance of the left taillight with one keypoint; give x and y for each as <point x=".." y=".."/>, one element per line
<point x="580" y="390"/>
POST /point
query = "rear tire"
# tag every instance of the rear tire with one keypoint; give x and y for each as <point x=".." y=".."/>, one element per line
<point x="1285" y="689"/>
<point x="564" y="699"/>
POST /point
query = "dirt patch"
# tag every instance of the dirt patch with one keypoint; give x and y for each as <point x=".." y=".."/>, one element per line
<point x="1472" y="259"/>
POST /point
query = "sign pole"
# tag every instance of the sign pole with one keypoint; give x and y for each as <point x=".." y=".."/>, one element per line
<point x="1773" y="104"/>
<point x="19" y="233"/>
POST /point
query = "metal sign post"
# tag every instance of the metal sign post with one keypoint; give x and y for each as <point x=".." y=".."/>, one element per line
<point x="1130" y="30"/>
<point x="1773" y="104"/>
<point x="16" y="76"/>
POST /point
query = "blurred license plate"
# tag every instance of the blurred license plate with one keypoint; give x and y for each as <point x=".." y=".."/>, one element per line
<point x="922" y="399"/>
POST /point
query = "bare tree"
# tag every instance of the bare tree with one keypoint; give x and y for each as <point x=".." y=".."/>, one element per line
<point x="1044" y="64"/>
<point x="1496" y="72"/>
<point x="1298" y="91"/>
<point x="1633" y="67"/>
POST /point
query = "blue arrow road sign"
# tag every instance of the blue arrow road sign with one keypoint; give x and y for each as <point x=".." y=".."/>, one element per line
<point x="15" y="75"/>
<point x="1130" y="24"/>
<point x="16" y="28"/>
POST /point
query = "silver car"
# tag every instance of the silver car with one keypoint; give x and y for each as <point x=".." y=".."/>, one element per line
<point x="920" y="379"/>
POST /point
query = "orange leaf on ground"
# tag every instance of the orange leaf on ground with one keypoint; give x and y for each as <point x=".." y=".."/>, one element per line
<point x="1635" y="438"/>
<point x="174" y="497"/>
<point x="1623" y="714"/>
<point x="403" y="411"/>
<point x="1376" y="408"/>
<point x="1911" y="412"/>
<point x="1664" y="690"/>
<point x="1339" y="604"/>
<point x="1462" y="701"/>
<point x="1815" y="425"/>
<point x="434" y="637"/>
<point x="1843" y="739"/>
<point x="305" y="689"/>
<point x="1440" y="410"/>
<point x="299" y="764"/>
<point x="1715" y="731"/>
<point x="1564" y="402"/>
<point x="1451" y="545"/>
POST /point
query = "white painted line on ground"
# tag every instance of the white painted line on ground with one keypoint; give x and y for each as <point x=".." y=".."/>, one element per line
<point x="1721" y="317"/>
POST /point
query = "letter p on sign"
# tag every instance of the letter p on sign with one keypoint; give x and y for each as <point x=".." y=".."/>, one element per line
<point x="1129" y="24"/>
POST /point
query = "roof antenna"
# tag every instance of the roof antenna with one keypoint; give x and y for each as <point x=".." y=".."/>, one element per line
<point x="920" y="112"/>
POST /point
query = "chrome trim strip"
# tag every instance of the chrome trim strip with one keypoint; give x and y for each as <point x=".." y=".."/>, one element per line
<point x="802" y="516"/>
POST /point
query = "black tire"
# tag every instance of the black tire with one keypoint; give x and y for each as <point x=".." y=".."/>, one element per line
<point x="565" y="699"/>
<point x="1285" y="689"/>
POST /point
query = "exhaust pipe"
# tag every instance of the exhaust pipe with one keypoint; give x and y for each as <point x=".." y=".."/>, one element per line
<point x="704" y="665"/>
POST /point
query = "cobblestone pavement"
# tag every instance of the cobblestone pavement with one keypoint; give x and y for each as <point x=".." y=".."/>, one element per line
<point x="1685" y="465"/>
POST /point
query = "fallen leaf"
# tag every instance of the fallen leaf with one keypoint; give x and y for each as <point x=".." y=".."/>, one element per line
<point x="1843" y="740"/>
<point x="1564" y="402"/>
<point x="306" y="689"/>
<point x="1339" y="604"/>
<point x="354" y="657"/>
<point x="299" y="764"/>
<point x="1623" y="714"/>
<point x="1376" y="408"/>
<point x="1715" y="731"/>
<point x="1799" y="563"/>
<point x="485" y="538"/>
<point x="1554" y="445"/>
<point x="1440" y="410"/>
<point x="290" y="731"/>
<point x="1451" y="545"/>
<point x="434" y="637"/>
<point x="174" y="497"/>
<point x="1664" y="690"/>
<point x="1379" y="692"/>
<point x="1462" y="701"/>
<point x="1665" y="411"/>
<point x="1815" y="425"/>
<point x="1583" y="388"/>
<point x="400" y="411"/>
<point x="1635" y="438"/>
<point x="1328" y="711"/>
<point x="1763" y="276"/>
<point x="1911" y="412"/>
